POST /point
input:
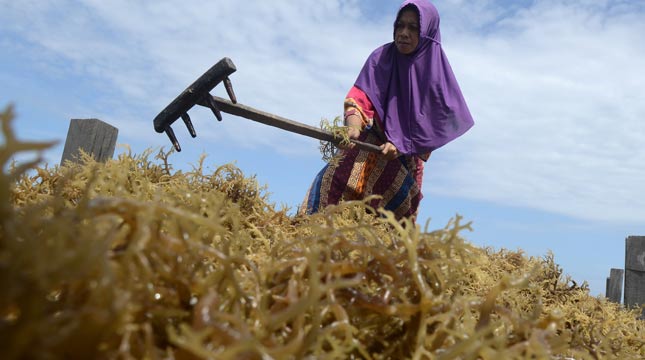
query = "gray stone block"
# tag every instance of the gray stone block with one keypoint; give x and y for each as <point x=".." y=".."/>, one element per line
<point x="93" y="136"/>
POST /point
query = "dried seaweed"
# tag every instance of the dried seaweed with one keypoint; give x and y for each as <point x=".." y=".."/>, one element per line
<point x="329" y="150"/>
<point x="131" y="259"/>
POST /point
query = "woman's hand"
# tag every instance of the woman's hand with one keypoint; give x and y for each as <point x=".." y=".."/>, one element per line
<point x="389" y="151"/>
<point x="353" y="132"/>
<point x="353" y="123"/>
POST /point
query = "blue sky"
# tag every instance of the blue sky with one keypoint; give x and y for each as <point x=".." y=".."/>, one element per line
<point x="555" y="161"/>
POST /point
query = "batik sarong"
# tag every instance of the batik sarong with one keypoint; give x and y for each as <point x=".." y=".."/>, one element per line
<point x="360" y="174"/>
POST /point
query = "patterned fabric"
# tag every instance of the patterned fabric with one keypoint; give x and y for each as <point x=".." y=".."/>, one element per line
<point x="360" y="173"/>
<point x="357" y="101"/>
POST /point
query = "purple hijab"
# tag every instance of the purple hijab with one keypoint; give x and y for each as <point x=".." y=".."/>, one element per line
<point x="416" y="96"/>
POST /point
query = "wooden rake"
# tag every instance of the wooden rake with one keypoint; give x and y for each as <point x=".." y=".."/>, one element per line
<point x="198" y="93"/>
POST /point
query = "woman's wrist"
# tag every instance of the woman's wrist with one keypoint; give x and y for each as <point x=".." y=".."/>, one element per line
<point x="353" y="119"/>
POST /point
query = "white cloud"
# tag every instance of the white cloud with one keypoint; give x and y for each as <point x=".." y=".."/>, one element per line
<point x="555" y="87"/>
<point x="555" y="92"/>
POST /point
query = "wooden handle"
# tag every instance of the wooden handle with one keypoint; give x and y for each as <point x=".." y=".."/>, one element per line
<point x="266" y="118"/>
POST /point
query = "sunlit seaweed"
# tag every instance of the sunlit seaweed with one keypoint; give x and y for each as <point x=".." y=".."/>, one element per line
<point x="329" y="150"/>
<point x="130" y="259"/>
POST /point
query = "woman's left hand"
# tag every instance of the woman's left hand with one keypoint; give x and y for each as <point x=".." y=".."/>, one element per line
<point x="389" y="150"/>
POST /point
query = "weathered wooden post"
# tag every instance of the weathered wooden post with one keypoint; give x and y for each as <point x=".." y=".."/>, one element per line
<point x="93" y="136"/>
<point x="635" y="272"/>
<point x="614" y="290"/>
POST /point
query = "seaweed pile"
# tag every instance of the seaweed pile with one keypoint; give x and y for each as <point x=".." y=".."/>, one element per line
<point x="131" y="259"/>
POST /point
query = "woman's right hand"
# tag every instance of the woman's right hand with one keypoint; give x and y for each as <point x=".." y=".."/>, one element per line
<point x="353" y="132"/>
<point x="353" y="123"/>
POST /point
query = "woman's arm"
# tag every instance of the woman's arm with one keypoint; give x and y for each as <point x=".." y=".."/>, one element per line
<point x="359" y="114"/>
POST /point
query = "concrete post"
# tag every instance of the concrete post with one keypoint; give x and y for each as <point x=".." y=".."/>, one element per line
<point x="94" y="136"/>
<point x="614" y="290"/>
<point x="635" y="272"/>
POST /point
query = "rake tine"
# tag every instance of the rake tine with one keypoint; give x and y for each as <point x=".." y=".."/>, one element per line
<point x="173" y="138"/>
<point x="229" y="90"/>
<point x="208" y="99"/>
<point x="189" y="124"/>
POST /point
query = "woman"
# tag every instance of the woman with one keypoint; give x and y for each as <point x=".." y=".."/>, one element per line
<point x="406" y="99"/>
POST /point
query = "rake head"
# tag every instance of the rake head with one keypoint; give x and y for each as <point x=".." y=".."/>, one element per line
<point x="198" y="93"/>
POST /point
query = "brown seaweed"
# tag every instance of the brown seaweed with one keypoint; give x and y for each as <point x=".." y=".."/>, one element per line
<point x="130" y="259"/>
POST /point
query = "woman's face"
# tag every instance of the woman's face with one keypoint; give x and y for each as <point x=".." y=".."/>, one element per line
<point x="406" y="32"/>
